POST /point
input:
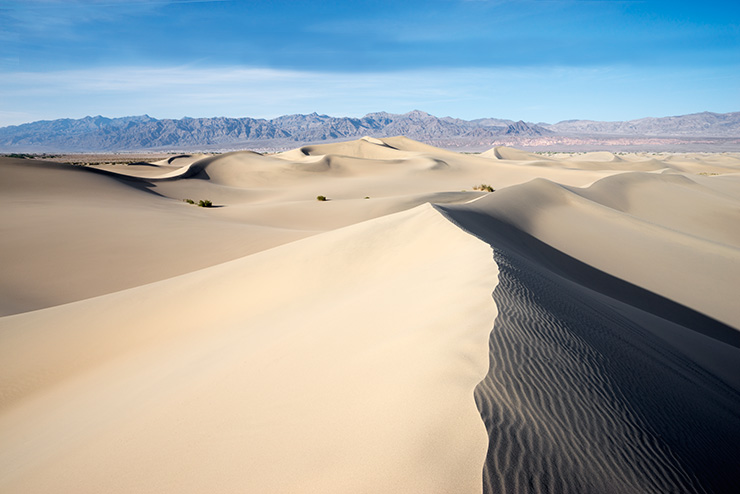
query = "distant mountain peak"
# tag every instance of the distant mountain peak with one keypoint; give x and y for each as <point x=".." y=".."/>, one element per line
<point x="417" y="114"/>
<point x="521" y="128"/>
<point x="136" y="133"/>
<point x="704" y="124"/>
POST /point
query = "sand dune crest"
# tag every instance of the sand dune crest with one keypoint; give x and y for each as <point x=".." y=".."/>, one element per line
<point x="254" y="386"/>
<point x="278" y="343"/>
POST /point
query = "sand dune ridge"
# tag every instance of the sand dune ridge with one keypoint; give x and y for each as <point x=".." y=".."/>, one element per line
<point x="573" y="331"/>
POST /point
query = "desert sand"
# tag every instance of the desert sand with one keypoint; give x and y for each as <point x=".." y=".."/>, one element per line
<point x="577" y="330"/>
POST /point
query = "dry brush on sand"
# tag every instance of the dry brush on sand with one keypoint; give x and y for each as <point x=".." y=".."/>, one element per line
<point x="573" y="331"/>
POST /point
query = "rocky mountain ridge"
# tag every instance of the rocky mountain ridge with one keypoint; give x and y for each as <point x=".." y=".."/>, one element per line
<point x="101" y="134"/>
<point x="705" y="124"/>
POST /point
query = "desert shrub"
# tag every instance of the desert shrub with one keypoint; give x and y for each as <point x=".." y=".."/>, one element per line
<point x="205" y="203"/>
<point x="321" y="198"/>
<point x="367" y="197"/>
<point x="483" y="187"/>
<point x="189" y="201"/>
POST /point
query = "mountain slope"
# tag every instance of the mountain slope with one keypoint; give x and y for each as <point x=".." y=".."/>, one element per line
<point x="99" y="134"/>
<point x="696" y="125"/>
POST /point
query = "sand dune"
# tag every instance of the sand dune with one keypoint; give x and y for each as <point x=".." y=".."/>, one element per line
<point x="322" y="366"/>
<point x="596" y="384"/>
<point x="367" y="148"/>
<point x="511" y="154"/>
<point x="597" y="156"/>
<point x="564" y="410"/>
<point x="574" y="331"/>
<point x="70" y="234"/>
<point x="657" y="251"/>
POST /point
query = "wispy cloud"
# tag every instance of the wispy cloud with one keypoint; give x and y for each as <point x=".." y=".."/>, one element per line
<point x="535" y="94"/>
<point x="257" y="87"/>
<point x="66" y="17"/>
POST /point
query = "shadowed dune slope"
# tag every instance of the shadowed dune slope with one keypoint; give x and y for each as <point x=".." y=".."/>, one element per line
<point x="684" y="257"/>
<point x="587" y="394"/>
<point x="277" y="343"/>
<point x="596" y="384"/>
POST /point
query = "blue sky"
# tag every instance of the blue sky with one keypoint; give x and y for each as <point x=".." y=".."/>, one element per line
<point x="536" y="60"/>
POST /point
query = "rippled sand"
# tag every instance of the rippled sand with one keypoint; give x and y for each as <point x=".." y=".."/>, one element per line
<point x="574" y="331"/>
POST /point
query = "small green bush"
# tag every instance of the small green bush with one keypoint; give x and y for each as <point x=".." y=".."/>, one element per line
<point x="483" y="187"/>
<point x="189" y="201"/>
<point x="321" y="198"/>
<point x="205" y="203"/>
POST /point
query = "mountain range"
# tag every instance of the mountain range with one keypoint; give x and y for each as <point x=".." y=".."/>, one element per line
<point x="138" y="133"/>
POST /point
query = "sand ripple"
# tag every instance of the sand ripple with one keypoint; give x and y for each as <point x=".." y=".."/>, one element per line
<point x="581" y="398"/>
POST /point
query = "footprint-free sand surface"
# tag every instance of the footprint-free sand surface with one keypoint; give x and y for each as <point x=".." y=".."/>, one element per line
<point x="577" y="330"/>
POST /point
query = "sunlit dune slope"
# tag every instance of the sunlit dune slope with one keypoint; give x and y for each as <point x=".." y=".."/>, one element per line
<point x="573" y="331"/>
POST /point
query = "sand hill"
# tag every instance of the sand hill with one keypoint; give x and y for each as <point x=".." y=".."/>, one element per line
<point x="574" y="331"/>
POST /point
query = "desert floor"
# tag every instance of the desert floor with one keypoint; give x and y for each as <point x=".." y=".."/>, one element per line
<point x="577" y="330"/>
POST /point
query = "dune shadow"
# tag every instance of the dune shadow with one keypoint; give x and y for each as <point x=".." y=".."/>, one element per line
<point x="597" y="385"/>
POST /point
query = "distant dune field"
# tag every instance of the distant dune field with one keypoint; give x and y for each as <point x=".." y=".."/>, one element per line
<point x="576" y="330"/>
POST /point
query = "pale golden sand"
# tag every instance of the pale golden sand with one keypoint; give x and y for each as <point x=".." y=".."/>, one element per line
<point x="276" y="343"/>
